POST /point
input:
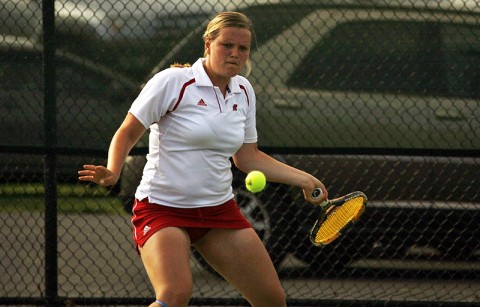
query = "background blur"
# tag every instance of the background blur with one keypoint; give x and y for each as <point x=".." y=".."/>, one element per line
<point x="378" y="96"/>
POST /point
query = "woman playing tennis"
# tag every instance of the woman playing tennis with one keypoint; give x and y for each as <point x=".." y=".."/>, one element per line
<point x="199" y="117"/>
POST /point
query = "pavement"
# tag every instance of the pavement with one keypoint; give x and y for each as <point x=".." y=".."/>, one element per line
<point x="96" y="258"/>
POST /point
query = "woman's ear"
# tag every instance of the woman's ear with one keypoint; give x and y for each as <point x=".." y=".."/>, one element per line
<point x="207" y="46"/>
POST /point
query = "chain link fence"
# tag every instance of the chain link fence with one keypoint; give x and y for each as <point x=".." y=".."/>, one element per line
<point x="379" y="96"/>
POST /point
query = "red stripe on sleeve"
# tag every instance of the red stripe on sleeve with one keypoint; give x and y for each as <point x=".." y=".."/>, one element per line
<point x="245" y="90"/>
<point x="182" y="92"/>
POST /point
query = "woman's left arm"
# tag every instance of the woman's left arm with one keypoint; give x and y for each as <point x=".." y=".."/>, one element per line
<point x="249" y="158"/>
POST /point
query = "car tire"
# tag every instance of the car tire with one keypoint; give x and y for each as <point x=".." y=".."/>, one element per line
<point x="130" y="179"/>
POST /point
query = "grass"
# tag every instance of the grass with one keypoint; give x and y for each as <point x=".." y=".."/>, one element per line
<point x="71" y="198"/>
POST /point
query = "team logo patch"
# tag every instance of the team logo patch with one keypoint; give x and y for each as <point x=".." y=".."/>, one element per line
<point x="146" y="229"/>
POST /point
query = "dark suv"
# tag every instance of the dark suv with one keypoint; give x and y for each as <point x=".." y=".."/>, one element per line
<point x="379" y="98"/>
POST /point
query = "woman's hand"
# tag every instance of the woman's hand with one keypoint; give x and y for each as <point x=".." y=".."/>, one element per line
<point x="307" y="192"/>
<point x="122" y="142"/>
<point x="98" y="174"/>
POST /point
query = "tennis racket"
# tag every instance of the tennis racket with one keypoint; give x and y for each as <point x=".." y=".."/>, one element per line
<point x="337" y="216"/>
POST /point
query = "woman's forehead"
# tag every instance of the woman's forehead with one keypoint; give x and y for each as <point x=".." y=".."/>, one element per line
<point x="235" y="34"/>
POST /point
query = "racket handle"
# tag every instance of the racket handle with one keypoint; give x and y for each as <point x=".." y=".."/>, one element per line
<point x="317" y="192"/>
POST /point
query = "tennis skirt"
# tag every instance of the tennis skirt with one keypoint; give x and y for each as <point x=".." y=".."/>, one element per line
<point x="149" y="218"/>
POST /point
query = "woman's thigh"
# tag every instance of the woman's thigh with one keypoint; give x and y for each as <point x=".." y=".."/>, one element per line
<point x="166" y="257"/>
<point x="241" y="258"/>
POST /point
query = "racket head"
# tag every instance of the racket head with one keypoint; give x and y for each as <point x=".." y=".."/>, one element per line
<point x="337" y="217"/>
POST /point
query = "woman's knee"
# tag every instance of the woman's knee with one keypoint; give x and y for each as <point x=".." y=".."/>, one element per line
<point x="174" y="295"/>
<point x="272" y="298"/>
<point x="166" y="257"/>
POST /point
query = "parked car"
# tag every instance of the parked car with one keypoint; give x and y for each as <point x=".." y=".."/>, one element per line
<point x="92" y="101"/>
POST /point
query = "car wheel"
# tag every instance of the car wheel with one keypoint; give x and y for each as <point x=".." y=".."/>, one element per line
<point x="255" y="212"/>
<point x="129" y="180"/>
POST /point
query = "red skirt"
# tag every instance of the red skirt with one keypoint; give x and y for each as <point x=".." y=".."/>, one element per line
<point x="148" y="218"/>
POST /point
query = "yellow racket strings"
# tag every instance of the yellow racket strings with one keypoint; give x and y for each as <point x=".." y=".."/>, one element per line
<point x="338" y="218"/>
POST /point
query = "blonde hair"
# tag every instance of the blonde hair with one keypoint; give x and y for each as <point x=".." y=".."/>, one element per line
<point x="228" y="20"/>
<point x="180" y="65"/>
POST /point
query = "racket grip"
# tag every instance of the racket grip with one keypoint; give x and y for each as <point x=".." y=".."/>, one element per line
<point x="317" y="192"/>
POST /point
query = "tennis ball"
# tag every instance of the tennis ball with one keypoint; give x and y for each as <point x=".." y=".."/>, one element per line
<point x="255" y="181"/>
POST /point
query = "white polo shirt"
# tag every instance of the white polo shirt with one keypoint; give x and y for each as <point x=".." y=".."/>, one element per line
<point x="194" y="131"/>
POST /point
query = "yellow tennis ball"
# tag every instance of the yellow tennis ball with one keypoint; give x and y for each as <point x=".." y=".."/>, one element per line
<point x="255" y="181"/>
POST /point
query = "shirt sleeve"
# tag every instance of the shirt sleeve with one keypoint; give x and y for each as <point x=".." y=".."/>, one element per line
<point x="251" y="121"/>
<point x="156" y="98"/>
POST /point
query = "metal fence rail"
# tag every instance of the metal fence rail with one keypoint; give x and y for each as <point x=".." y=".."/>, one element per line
<point x="378" y="96"/>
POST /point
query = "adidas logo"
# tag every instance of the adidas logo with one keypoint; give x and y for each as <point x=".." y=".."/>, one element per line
<point x="201" y="103"/>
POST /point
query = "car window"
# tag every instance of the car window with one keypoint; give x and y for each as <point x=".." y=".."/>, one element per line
<point x="21" y="98"/>
<point x="462" y="60"/>
<point x="89" y="104"/>
<point x="22" y="72"/>
<point x="266" y="24"/>
<point x="77" y="80"/>
<point x="399" y="57"/>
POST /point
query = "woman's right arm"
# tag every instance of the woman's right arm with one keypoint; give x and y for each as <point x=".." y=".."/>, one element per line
<point x="122" y="142"/>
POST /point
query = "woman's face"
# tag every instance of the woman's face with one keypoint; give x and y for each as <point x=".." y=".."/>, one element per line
<point x="227" y="54"/>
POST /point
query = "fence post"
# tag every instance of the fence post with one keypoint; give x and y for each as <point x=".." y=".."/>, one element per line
<point x="51" y="249"/>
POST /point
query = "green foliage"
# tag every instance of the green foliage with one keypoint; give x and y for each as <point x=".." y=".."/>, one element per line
<point x="72" y="198"/>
